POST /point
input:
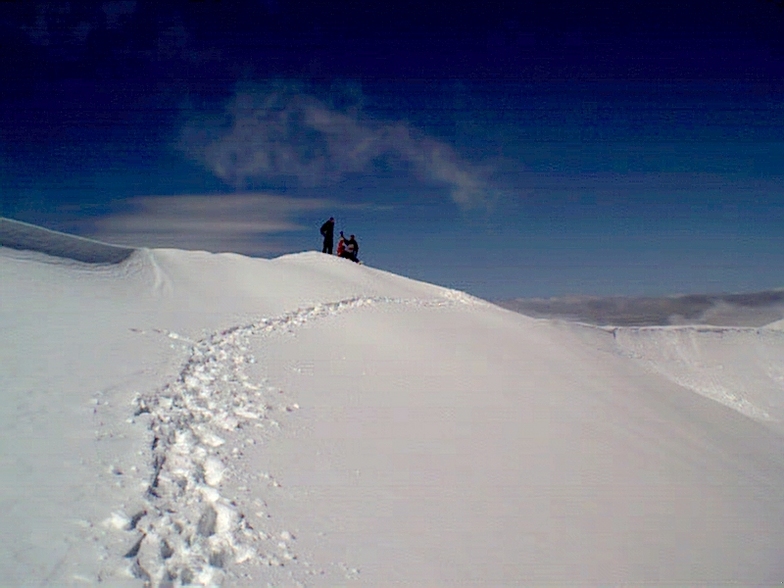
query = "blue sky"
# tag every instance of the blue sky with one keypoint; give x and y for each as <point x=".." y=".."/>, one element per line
<point x="508" y="149"/>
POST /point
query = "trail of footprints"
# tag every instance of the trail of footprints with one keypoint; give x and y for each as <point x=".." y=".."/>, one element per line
<point x="188" y="532"/>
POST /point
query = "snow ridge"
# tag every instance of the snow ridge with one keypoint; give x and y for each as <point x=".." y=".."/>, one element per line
<point x="188" y="532"/>
<point x="25" y="237"/>
<point x="704" y="359"/>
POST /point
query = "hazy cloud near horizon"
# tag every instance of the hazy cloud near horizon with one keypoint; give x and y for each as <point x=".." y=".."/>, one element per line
<point x="277" y="132"/>
<point x="754" y="309"/>
<point x="240" y="223"/>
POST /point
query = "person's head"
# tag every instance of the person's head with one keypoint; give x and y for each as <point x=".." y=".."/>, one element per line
<point x="352" y="236"/>
<point x="341" y="234"/>
<point x="332" y="219"/>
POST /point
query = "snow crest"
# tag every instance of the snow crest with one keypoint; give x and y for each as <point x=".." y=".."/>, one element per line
<point x="189" y="532"/>
<point x="704" y="359"/>
<point x="25" y="237"/>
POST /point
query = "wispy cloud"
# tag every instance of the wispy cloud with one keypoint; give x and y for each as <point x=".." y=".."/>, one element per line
<point x="66" y="25"/>
<point x="279" y="132"/>
<point x="117" y="10"/>
<point x="249" y="223"/>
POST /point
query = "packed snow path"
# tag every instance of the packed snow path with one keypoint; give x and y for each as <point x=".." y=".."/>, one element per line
<point x="189" y="532"/>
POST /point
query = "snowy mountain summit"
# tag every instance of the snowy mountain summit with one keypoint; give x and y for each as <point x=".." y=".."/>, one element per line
<point x="177" y="418"/>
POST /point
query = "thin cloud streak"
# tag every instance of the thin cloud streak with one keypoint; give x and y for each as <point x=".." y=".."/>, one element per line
<point x="282" y="133"/>
<point x="248" y="223"/>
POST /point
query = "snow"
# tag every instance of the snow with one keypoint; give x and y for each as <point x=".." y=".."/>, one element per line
<point x="175" y="417"/>
<point x="742" y="368"/>
<point x="776" y="325"/>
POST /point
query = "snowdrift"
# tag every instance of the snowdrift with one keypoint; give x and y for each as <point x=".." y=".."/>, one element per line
<point x="26" y="237"/>
<point x="176" y="418"/>
<point x="742" y="368"/>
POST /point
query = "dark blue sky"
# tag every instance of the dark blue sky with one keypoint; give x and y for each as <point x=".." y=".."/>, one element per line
<point x="508" y="149"/>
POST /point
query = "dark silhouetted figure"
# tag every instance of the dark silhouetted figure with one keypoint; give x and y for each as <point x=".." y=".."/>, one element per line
<point x="328" y="232"/>
<point x="352" y="249"/>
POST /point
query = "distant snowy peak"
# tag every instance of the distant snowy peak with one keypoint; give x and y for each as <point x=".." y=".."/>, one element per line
<point x="26" y="237"/>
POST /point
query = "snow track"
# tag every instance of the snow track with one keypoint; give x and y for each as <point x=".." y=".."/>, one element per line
<point x="189" y="532"/>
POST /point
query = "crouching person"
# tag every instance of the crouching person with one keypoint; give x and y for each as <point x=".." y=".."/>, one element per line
<point x="352" y="249"/>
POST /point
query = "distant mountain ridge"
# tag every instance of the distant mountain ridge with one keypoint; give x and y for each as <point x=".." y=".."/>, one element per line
<point x="753" y="309"/>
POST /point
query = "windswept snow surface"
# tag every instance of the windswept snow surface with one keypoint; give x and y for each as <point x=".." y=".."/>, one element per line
<point x="177" y="418"/>
<point x="741" y="367"/>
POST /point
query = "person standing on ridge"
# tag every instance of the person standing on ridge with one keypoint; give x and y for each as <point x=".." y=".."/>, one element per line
<point x="328" y="232"/>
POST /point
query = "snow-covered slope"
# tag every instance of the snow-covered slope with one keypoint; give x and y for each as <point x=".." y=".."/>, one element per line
<point x="174" y="417"/>
<point x="26" y="237"/>
<point x="741" y="367"/>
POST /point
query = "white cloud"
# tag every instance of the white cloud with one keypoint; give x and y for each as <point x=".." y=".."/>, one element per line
<point x="247" y="223"/>
<point x="279" y="132"/>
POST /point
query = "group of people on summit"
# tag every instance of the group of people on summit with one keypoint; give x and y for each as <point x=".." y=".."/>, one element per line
<point x="347" y="248"/>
